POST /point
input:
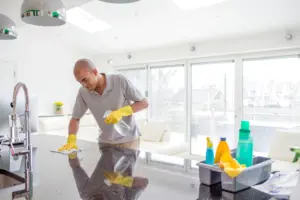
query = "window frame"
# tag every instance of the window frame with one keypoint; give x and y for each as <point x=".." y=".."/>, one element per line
<point x="200" y="62"/>
<point x="238" y="59"/>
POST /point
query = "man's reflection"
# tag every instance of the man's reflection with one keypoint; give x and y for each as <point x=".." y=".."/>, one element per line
<point x="113" y="177"/>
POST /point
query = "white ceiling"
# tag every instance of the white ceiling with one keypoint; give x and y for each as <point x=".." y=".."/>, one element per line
<point x="154" y="23"/>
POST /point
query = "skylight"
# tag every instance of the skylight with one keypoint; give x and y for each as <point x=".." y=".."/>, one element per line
<point x="194" y="4"/>
<point x="84" y="20"/>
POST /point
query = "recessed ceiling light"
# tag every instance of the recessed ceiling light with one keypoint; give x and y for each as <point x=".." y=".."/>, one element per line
<point x="194" y="4"/>
<point x="84" y="20"/>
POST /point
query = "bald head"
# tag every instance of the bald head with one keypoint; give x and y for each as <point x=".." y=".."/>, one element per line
<point x="86" y="73"/>
<point x="85" y="64"/>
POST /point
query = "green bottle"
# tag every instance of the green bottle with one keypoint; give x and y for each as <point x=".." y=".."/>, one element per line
<point x="244" y="154"/>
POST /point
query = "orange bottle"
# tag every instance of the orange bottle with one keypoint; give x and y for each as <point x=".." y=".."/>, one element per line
<point x="222" y="147"/>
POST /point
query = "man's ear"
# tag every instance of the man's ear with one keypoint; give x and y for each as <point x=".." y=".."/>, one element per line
<point x="95" y="71"/>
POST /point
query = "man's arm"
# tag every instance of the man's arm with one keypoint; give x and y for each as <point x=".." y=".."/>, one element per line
<point x="133" y="94"/>
<point x="139" y="105"/>
<point x="73" y="126"/>
<point x="79" y="110"/>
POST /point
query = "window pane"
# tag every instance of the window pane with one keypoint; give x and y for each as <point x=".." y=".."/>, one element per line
<point x="167" y="95"/>
<point x="138" y="78"/>
<point x="212" y="104"/>
<point x="271" y="98"/>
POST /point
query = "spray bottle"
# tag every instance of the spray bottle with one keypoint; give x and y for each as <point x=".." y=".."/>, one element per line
<point x="295" y="195"/>
<point x="210" y="157"/>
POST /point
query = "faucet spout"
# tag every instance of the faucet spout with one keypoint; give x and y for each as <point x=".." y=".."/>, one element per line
<point x="14" y="137"/>
<point x="15" y="94"/>
<point x="14" y="134"/>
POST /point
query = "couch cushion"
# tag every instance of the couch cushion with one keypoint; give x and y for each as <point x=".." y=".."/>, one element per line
<point x="154" y="130"/>
<point x="166" y="137"/>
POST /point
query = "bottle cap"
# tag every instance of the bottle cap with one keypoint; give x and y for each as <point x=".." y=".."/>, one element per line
<point x="209" y="143"/>
<point x="223" y="138"/>
<point x="245" y="125"/>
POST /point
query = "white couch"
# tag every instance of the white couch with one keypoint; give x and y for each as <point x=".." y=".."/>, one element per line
<point x="156" y="136"/>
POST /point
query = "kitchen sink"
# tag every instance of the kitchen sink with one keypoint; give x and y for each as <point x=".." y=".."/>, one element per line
<point x="8" y="179"/>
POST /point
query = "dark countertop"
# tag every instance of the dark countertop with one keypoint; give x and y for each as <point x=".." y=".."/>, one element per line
<point x="86" y="175"/>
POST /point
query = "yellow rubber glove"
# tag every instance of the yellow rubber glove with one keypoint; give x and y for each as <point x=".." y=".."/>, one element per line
<point x="71" y="143"/>
<point x="231" y="166"/>
<point x="117" y="178"/>
<point x="115" y="116"/>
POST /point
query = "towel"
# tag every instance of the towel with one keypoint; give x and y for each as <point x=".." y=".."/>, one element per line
<point x="231" y="166"/>
<point x="67" y="152"/>
<point x="280" y="184"/>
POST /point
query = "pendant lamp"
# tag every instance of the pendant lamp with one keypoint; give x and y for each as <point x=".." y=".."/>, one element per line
<point x="7" y="28"/>
<point x="43" y="12"/>
<point x="120" y="1"/>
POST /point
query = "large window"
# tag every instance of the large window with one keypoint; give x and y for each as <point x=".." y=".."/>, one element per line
<point x="271" y="97"/>
<point x="212" y="104"/>
<point x="167" y="97"/>
<point x="138" y="76"/>
<point x="198" y="101"/>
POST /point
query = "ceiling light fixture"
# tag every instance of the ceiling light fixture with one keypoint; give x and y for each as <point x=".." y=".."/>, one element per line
<point x="84" y="20"/>
<point x="120" y="1"/>
<point x="7" y="28"/>
<point x="43" y="12"/>
<point x="194" y="4"/>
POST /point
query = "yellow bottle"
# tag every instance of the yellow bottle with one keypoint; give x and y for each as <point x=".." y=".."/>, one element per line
<point x="222" y="147"/>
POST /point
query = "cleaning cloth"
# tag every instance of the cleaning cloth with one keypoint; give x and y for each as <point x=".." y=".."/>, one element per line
<point x="67" y="152"/>
<point x="231" y="166"/>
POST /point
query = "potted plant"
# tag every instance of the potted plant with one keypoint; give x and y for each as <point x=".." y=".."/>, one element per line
<point x="58" y="107"/>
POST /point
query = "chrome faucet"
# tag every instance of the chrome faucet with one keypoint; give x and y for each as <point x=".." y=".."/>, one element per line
<point x="14" y="137"/>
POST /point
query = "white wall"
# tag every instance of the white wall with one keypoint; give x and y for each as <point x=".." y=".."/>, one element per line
<point x="246" y="44"/>
<point x="46" y="67"/>
<point x="47" y="71"/>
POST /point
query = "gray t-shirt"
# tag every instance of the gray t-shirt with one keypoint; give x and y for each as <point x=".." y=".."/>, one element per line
<point x="119" y="92"/>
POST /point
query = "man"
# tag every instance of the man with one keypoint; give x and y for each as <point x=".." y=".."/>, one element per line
<point x="102" y="92"/>
<point x="113" y="177"/>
